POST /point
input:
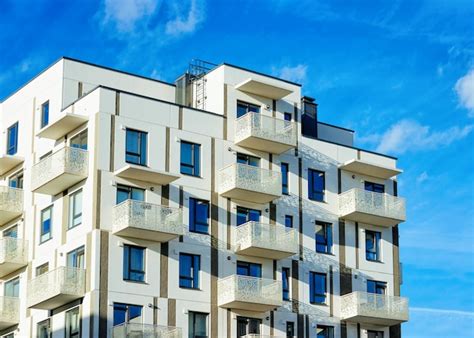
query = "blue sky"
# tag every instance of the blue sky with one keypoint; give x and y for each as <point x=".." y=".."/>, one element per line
<point x="401" y="73"/>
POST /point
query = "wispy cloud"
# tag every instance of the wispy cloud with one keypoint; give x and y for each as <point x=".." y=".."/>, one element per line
<point x="422" y="177"/>
<point x="124" y="14"/>
<point x="465" y="89"/>
<point x="292" y="73"/>
<point x="186" y="19"/>
<point x="443" y="311"/>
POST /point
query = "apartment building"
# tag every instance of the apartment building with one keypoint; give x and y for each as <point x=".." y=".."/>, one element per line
<point x="215" y="206"/>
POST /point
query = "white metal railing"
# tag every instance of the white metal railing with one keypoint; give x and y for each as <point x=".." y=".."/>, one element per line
<point x="66" y="160"/>
<point x="265" y="127"/>
<point x="62" y="280"/>
<point x="13" y="250"/>
<point x="148" y="216"/>
<point x="268" y="236"/>
<point x="135" y="330"/>
<point x="370" y="202"/>
<point x="247" y="177"/>
<point x="374" y="305"/>
<point x="9" y="309"/>
<point x="11" y="199"/>
<point x="250" y="290"/>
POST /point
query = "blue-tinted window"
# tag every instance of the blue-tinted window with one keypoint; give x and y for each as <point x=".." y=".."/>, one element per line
<point x="129" y="193"/>
<point x="190" y="158"/>
<point x="244" y="107"/>
<point x="323" y="237"/>
<point x="198" y="216"/>
<point x="288" y="221"/>
<point x="189" y="267"/>
<point x="248" y="160"/>
<point x="317" y="288"/>
<point x="284" y="178"/>
<point x="375" y="187"/>
<point x="376" y="287"/>
<point x="287" y="116"/>
<point x="324" y="331"/>
<point x="249" y="269"/>
<point x="133" y="263"/>
<point x="316" y="185"/>
<point x="372" y="245"/>
<point x="44" y="114"/>
<point x="46" y="224"/>
<point x="245" y="215"/>
<point x="136" y="147"/>
<point x="126" y="313"/>
<point x="285" y="278"/>
<point x="12" y="139"/>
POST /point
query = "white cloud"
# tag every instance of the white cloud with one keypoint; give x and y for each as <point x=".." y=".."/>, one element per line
<point x="186" y="20"/>
<point x="422" y="177"/>
<point x="295" y="74"/>
<point x="465" y="89"/>
<point x="442" y="311"/>
<point x="126" y="13"/>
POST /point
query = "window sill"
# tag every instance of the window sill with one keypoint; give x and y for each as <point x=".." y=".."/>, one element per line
<point x="319" y="304"/>
<point x="199" y="233"/>
<point x="138" y="164"/>
<point x="189" y="175"/>
<point x="326" y="253"/>
<point x="191" y="289"/>
<point x="135" y="281"/>
<point x="374" y="261"/>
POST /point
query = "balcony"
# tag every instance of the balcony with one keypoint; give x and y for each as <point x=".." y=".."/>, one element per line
<point x="370" y="169"/>
<point x="371" y="308"/>
<point x="265" y="240"/>
<point x="13" y="255"/>
<point x="66" y="123"/>
<point x="249" y="293"/>
<point x="59" y="171"/>
<point x="249" y="183"/>
<point x="11" y="204"/>
<point x="128" y="330"/>
<point x="371" y="207"/>
<point x="265" y="133"/>
<point x="9" y="312"/>
<point x="55" y="288"/>
<point x="145" y="174"/>
<point x="8" y="162"/>
<point x="147" y="221"/>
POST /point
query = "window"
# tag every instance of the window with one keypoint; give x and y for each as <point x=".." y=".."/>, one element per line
<point x="75" y="258"/>
<point x="316" y="185"/>
<point x="198" y="325"/>
<point x="43" y="268"/>
<point x="248" y="327"/>
<point x="285" y="278"/>
<point x="124" y="313"/>
<point x="43" y="329"/>
<point x="290" y="329"/>
<point x="245" y="215"/>
<point x="10" y="335"/>
<point x="16" y="181"/>
<point x="189" y="267"/>
<point x="374" y="334"/>
<point x="375" y="187"/>
<point x="11" y="232"/>
<point x="288" y="221"/>
<point x="372" y="245"/>
<point x="377" y="287"/>
<point x="75" y="209"/>
<point x="79" y="140"/>
<point x="287" y="116"/>
<point x="244" y="108"/>
<point x="73" y="323"/>
<point x="135" y="148"/>
<point x="44" y="114"/>
<point x="324" y="331"/>
<point x="248" y="160"/>
<point x="284" y="179"/>
<point x="323" y="237"/>
<point x="249" y="269"/>
<point x="190" y="158"/>
<point x="46" y="224"/>
<point x="317" y="288"/>
<point x="129" y="193"/>
<point x="133" y="263"/>
<point x="12" y="288"/>
<point x="198" y="216"/>
<point x="12" y="139"/>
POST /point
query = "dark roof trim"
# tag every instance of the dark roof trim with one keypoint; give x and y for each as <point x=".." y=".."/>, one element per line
<point x="258" y="73"/>
<point x="332" y="125"/>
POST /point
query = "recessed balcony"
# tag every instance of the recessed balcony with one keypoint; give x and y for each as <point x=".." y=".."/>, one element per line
<point x="11" y="204"/>
<point x="265" y="240"/>
<point x="265" y="133"/>
<point x="249" y="293"/>
<point x="9" y="312"/>
<point x="371" y="308"/>
<point x="56" y="288"/>
<point x="60" y="170"/>
<point x="147" y="221"/>
<point x="370" y="169"/>
<point x="145" y="174"/>
<point x="249" y="183"/>
<point x="13" y="255"/>
<point x="66" y="123"/>
<point x="9" y="162"/>
<point x="128" y="330"/>
<point x="369" y="207"/>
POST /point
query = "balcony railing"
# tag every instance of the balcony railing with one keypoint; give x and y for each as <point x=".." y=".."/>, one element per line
<point x="60" y="170"/>
<point x="144" y="220"/>
<point x="132" y="330"/>
<point x="249" y="183"/>
<point x="266" y="133"/>
<point x="11" y="203"/>
<point x="265" y="240"/>
<point x="13" y="255"/>
<point x="373" y="308"/>
<point x="55" y="288"/>
<point x="371" y="207"/>
<point x="9" y="312"/>
<point x="249" y="293"/>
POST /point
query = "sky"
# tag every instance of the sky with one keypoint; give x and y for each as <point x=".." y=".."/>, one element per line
<point x="400" y="73"/>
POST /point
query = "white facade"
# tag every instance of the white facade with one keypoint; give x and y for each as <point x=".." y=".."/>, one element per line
<point x="106" y="103"/>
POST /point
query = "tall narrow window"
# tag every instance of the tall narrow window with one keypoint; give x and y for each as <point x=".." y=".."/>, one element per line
<point x="316" y="185"/>
<point x="75" y="258"/>
<point x="376" y="287"/>
<point x="16" y="181"/>
<point x="75" y="209"/>
<point x="12" y="288"/>
<point x="323" y="237"/>
<point x="73" y="323"/>
<point x="198" y="216"/>
<point x="125" y="192"/>
<point x="12" y="139"/>
<point x="43" y="329"/>
<point x="189" y="268"/>
<point x="79" y="140"/>
<point x="249" y="269"/>
<point x="372" y="245"/>
<point x="244" y="108"/>
<point x="133" y="263"/>
<point x="285" y="279"/>
<point x="190" y="158"/>
<point x="288" y="221"/>
<point x="324" y="331"/>
<point x="126" y="313"/>
<point x="245" y="215"/>
<point x="290" y="330"/>
<point x="45" y="114"/>
<point x="198" y="327"/>
<point x="46" y="224"/>
<point x="136" y="147"/>
<point x="248" y="160"/>
<point x="317" y="288"/>
<point x="284" y="179"/>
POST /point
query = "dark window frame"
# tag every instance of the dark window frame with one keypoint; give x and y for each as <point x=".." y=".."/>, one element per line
<point x="374" y="187"/>
<point x="285" y="279"/>
<point x="192" y="333"/>
<point x="127" y="268"/>
<point x="287" y="116"/>
<point x="326" y="241"/>
<point x="248" y="266"/>
<point x="377" y="285"/>
<point x="318" y="196"/>
<point x="194" y="223"/>
<point x="12" y="149"/>
<point x="328" y="334"/>
<point x="44" y="114"/>
<point x="247" y="106"/>
<point x="376" y="251"/>
<point x="142" y="141"/>
<point x="313" y="295"/>
<point x="42" y="222"/>
<point x="194" y="164"/>
<point x="285" y="178"/>
<point x="290" y="218"/>
<point x="194" y="272"/>
<point x="129" y="190"/>
<point x="123" y="307"/>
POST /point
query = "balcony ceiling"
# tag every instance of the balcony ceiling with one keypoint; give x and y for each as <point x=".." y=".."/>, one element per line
<point x="265" y="89"/>
<point x="8" y="162"/>
<point x="146" y="174"/>
<point x="370" y="169"/>
<point x="65" y="124"/>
